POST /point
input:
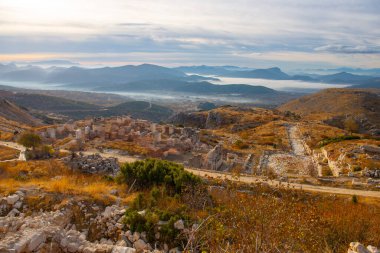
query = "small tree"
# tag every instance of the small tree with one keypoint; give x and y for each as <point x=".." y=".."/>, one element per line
<point x="351" y="125"/>
<point x="30" y="140"/>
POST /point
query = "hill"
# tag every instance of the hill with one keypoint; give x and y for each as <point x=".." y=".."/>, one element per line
<point x="12" y="112"/>
<point x="335" y="105"/>
<point x="136" y="109"/>
<point x="201" y="88"/>
<point x="85" y="77"/>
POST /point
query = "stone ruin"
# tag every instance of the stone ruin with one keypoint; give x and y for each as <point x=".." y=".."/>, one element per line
<point x="214" y="158"/>
<point x="93" y="164"/>
<point x="371" y="173"/>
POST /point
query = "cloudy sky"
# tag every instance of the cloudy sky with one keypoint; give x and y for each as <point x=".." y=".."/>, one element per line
<point x="254" y="33"/>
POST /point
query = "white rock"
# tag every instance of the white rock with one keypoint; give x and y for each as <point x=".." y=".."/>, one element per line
<point x="35" y="240"/>
<point x="179" y="224"/>
<point x="119" y="225"/>
<point x="64" y="243"/>
<point x="136" y="236"/>
<point x="121" y="243"/>
<point x="358" y="247"/>
<point x="373" y="249"/>
<point x="20" y="246"/>
<point x="121" y="249"/>
<point x="20" y="193"/>
<point x="89" y="250"/>
<point x="174" y="250"/>
<point x="140" y="245"/>
<point x="18" y="205"/>
<point x="12" y="199"/>
<point x="73" y="247"/>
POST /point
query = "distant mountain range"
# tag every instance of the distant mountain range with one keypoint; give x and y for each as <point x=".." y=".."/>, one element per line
<point x="205" y="88"/>
<point x="275" y="73"/>
<point x="89" y="77"/>
<point x="191" y="79"/>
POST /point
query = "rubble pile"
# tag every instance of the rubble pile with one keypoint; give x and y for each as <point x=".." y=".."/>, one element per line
<point x="60" y="230"/>
<point x="93" y="164"/>
<point x="356" y="247"/>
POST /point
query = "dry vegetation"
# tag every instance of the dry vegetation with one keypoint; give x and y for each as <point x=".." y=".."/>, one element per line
<point x="7" y="153"/>
<point x="130" y="147"/>
<point x="314" y="132"/>
<point x="357" y="161"/>
<point x="286" y="221"/>
<point x="54" y="177"/>
<point x="272" y="135"/>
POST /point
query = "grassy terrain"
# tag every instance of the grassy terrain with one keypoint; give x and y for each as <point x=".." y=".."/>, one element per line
<point x="230" y="217"/>
<point x="7" y="153"/>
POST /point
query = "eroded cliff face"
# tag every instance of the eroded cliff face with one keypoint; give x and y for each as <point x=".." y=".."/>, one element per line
<point x="197" y="120"/>
<point x="228" y="116"/>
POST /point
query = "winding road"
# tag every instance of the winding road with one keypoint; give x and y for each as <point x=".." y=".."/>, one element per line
<point x="17" y="146"/>
<point x="249" y="179"/>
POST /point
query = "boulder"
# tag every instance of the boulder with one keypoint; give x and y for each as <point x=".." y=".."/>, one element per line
<point x="179" y="224"/>
<point x="140" y="245"/>
<point x="36" y="240"/>
<point x="121" y="249"/>
<point x="373" y="249"/>
<point x="12" y="199"/>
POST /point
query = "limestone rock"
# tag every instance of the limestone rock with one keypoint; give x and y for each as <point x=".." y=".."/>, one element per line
<point x="180" y="225"/>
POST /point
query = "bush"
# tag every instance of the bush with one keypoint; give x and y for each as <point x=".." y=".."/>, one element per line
<point x="30" y="140"/>
<point x="327" y="141"/>
<point x="154" y="172"/>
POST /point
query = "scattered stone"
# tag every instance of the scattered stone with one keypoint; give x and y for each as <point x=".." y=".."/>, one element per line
<point x="12" y="199"/>
<point x="180" y="225"/>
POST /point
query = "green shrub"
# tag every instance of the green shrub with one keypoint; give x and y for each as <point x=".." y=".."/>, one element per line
<point x="154" y="172"/>
<point x="327" y="141"/>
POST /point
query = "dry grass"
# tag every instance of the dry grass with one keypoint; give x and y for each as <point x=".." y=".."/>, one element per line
<point x="130" y="147"/>
<point x="54" y="177"/>
<point x="286" y="221"/>
<point x="315" y="132"/>
<point x="7" y="153"/>
<point x="6" y="136"/>
<point x="272" y="135"/>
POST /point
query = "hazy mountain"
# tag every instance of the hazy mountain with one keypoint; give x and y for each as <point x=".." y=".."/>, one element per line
<point x="232" y="71"/>
<point x="204" y="88"/>
<point x="343" y="77"/>
<point x="83" y="77"/>
<point x="372" y="83"/>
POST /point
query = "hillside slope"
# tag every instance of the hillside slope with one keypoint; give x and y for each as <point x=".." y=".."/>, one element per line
<point x="12" y="112"/>
<point x="334" y="105"/>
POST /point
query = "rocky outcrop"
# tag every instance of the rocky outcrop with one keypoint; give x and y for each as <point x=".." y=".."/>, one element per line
<point x="356" y="247"/>
<point x="93" y="164"/>
<point x="214" y="158"/>
<point x="197" y="120"/>
<point x="75" y="227"/>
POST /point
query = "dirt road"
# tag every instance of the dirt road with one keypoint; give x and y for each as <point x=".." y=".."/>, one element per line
<point x="243" y="178"/>
<point x="19" y="147"/>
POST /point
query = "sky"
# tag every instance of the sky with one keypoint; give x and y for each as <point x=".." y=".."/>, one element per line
<point x="292" y="34"/>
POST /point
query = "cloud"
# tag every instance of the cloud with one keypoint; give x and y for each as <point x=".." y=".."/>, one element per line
<point x="359" y="49"/>
<point x="328" y="29"/>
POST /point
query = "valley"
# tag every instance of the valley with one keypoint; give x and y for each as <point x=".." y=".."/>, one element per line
<point x="88" y="158"/>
